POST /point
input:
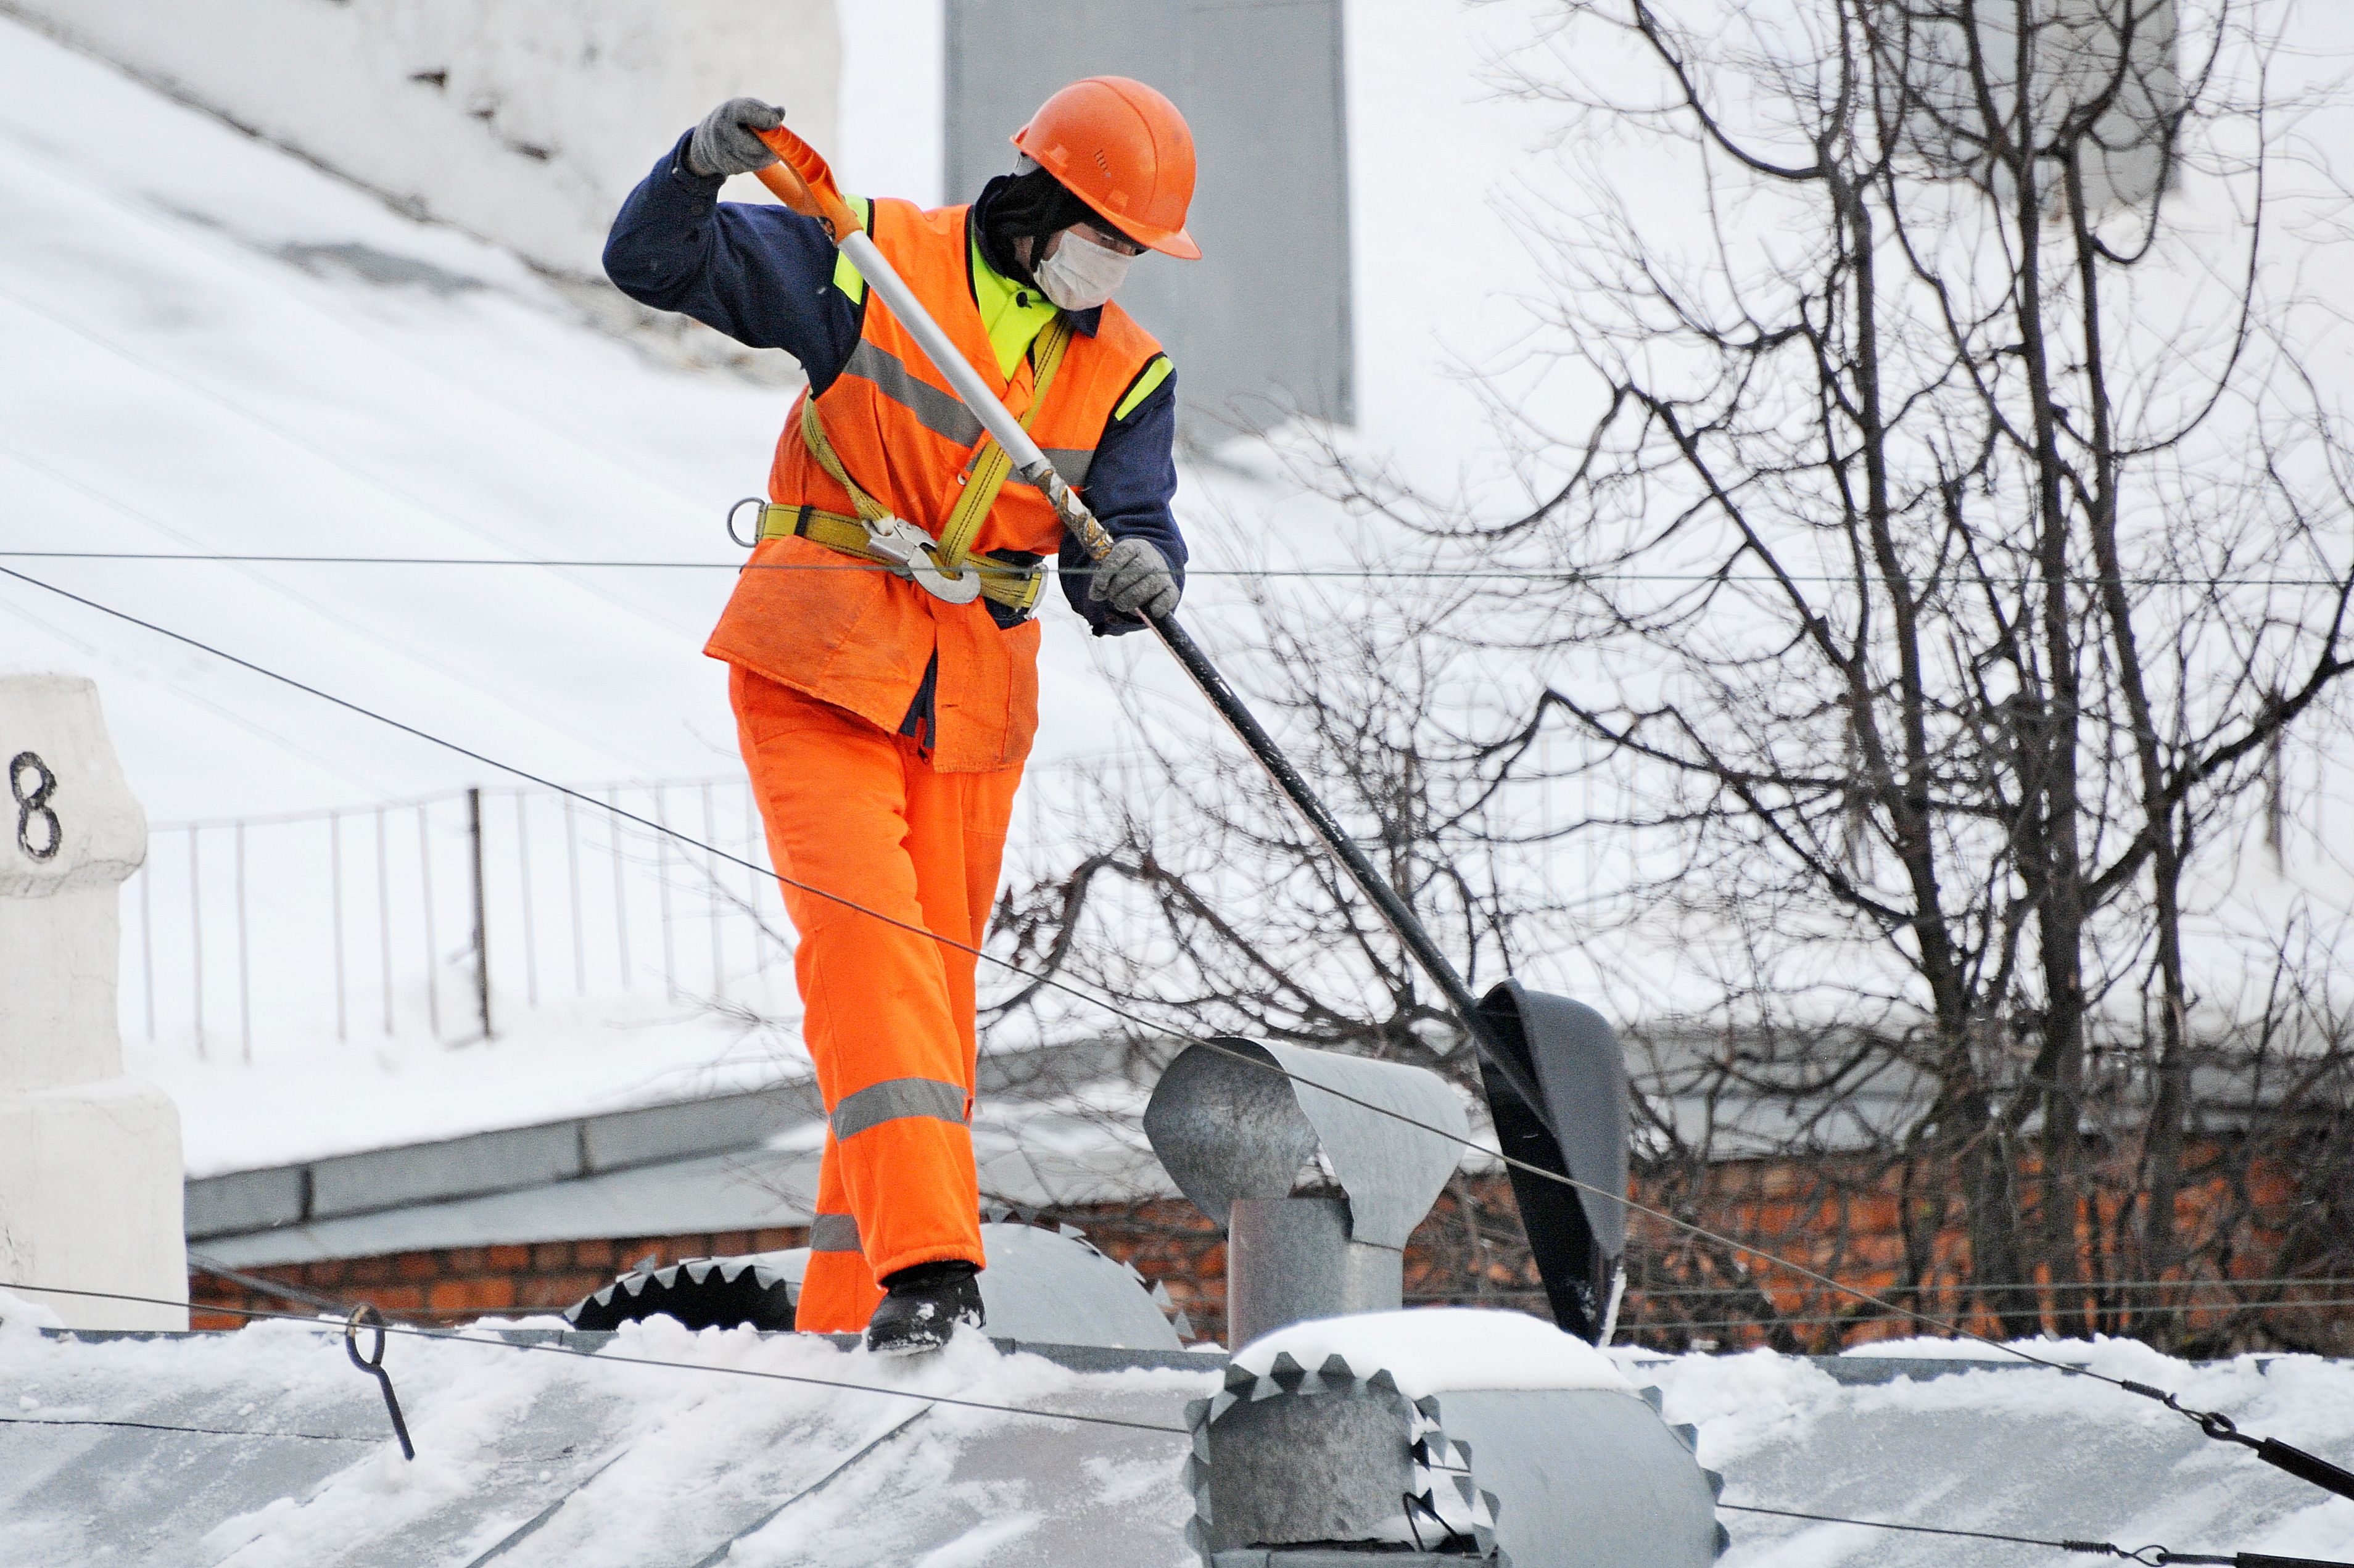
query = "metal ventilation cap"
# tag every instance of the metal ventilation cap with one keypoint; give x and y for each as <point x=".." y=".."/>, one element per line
<point x="1227" y="1130"/>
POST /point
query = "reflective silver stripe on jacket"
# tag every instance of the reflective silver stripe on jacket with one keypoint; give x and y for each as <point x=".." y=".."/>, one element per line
<point x="936" y="411"/>
<point x="1072" y="463"/>
<point x="942" y="414"/>
<point x="896" y="1097"/>
<point x="834" y="1233"/>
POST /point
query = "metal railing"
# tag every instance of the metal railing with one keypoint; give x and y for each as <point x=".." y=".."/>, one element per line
<point x="449" y="915"/>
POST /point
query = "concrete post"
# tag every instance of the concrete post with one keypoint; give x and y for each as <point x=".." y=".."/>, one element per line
<point x="90" y="1159"/>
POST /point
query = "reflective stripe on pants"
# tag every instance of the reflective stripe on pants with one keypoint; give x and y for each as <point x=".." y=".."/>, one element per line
<point x="889" y="1101"/>
<point x="887" y="1012"/>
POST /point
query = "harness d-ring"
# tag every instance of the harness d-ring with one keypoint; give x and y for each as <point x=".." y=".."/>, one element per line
<point x="759" y="501"/>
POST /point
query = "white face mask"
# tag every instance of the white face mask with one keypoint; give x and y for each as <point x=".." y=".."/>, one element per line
<point x="1079" y="274"/>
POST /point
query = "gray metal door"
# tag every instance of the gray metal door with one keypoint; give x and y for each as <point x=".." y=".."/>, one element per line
<point x="1259" y="327"/>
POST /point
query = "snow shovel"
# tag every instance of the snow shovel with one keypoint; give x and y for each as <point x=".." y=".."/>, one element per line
<point x="1554" y="1076"/>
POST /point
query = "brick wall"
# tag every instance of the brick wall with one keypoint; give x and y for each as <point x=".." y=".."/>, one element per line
<point x="464" y="1282"/>
<point x="1849" y="1224"/>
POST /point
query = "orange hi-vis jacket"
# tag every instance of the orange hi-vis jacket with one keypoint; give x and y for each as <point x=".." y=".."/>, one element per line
<point x="862" y="639"/>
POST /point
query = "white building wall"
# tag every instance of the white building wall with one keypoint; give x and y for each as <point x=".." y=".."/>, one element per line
<point x="89" y="1160"/>
<point x="524" y="122"/>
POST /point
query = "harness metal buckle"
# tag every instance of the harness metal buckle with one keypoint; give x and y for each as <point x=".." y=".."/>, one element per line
<point x="913" y="554"/>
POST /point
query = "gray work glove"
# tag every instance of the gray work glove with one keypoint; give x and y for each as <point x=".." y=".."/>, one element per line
<point x="724" y="142"/>
<point x="1134" y="578"/>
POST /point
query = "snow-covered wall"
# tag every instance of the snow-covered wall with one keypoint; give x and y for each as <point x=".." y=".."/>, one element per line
<point x="523" y="120"/>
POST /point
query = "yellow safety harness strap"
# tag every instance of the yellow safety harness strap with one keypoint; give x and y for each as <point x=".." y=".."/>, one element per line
<point x="1013" y="583"/>
<point x="988" y="470"/>
<point x="991" y="467"/>
<point x="813" y="432"/>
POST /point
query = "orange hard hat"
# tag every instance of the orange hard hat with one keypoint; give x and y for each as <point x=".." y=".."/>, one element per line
<point x="1125" y="150"/>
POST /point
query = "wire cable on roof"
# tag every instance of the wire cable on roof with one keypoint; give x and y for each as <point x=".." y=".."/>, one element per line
<point x="2305" y="1467"/>
<point x="1396" y="574"/>
<point x="168" y="1427"/>
<point x="2149" y="1556"/>
<point x="608" y="1358"/>
<point x="1674" y="1325"/>
<point x="201" y="1264"/>
<point x="320" y="450"/>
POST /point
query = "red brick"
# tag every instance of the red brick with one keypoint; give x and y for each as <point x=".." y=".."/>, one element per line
<point x="548" y="1256"/>
<point x="466" y="1259"/>
<point x="416" y="1265"/>
<point x="460" y="1296"/>
<point x="510" y="1258"/>
<point x="731" y="1244"/>
<point x="396" y="1298"/>
<point x="368" y="1271"/>
<point x="594" y="1254"/>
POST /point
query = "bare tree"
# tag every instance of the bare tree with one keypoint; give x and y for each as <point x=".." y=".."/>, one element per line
<point x="1959" y="531"/>
<point x="1945" y="563"/>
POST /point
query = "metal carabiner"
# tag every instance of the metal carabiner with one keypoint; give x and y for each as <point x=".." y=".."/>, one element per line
<point x="914" y="554"/>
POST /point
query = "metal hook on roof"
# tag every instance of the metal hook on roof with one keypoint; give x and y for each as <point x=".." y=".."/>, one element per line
<point x="373" y="1364"/>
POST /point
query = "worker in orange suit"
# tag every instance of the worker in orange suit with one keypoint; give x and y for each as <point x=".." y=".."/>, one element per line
<point x="885" y="715"/>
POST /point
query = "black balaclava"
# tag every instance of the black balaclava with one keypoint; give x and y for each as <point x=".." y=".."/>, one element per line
<point x="1031" y="204"/>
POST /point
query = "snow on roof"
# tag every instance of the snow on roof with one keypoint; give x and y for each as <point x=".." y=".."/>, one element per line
<point x="2013" y="1449"/>
<point x="1440" y="1349"/>
<point x="572" y="1458"/>
<point x="598" y="1459"/>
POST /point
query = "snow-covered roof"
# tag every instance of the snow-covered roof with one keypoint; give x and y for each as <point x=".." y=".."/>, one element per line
<point x="547" y="1458"/>
<point x="571" y="1458"/>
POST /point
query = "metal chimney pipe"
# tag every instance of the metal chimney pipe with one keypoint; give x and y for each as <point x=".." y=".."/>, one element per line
<point x="1239" y="1125"/>
<point x="1290" y="1259"/>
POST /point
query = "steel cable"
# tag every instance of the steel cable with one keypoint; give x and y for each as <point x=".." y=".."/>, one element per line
<point x="2149" y="1556"/>
<point x="259" y="1314"/>
<point x="168" y="1427"/>
<point x="2215" y="1425"/>
<point x="1396" y="574"/>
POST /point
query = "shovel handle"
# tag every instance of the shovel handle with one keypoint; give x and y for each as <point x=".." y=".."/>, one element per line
<point x="801" y="180"/>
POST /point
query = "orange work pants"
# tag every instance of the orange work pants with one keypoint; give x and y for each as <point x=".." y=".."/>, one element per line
<point x="887" y="1012"/>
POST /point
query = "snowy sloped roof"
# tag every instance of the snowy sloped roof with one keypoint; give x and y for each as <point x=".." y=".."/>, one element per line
<point x="526" y="1457"/>
<point x="547" y="1458"/>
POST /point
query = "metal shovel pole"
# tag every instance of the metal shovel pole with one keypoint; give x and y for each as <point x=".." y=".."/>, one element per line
<point x="801" y="180"/>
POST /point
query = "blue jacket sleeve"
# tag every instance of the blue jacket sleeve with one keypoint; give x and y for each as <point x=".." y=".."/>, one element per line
<point x="763" y="275"/>
<point x="1129" y="488"/>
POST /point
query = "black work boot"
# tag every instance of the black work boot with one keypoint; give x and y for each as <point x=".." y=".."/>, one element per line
<point x="925" y="1304"/>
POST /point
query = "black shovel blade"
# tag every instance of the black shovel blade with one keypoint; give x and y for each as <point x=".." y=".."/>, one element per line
<point x="1581" y="1131"/>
